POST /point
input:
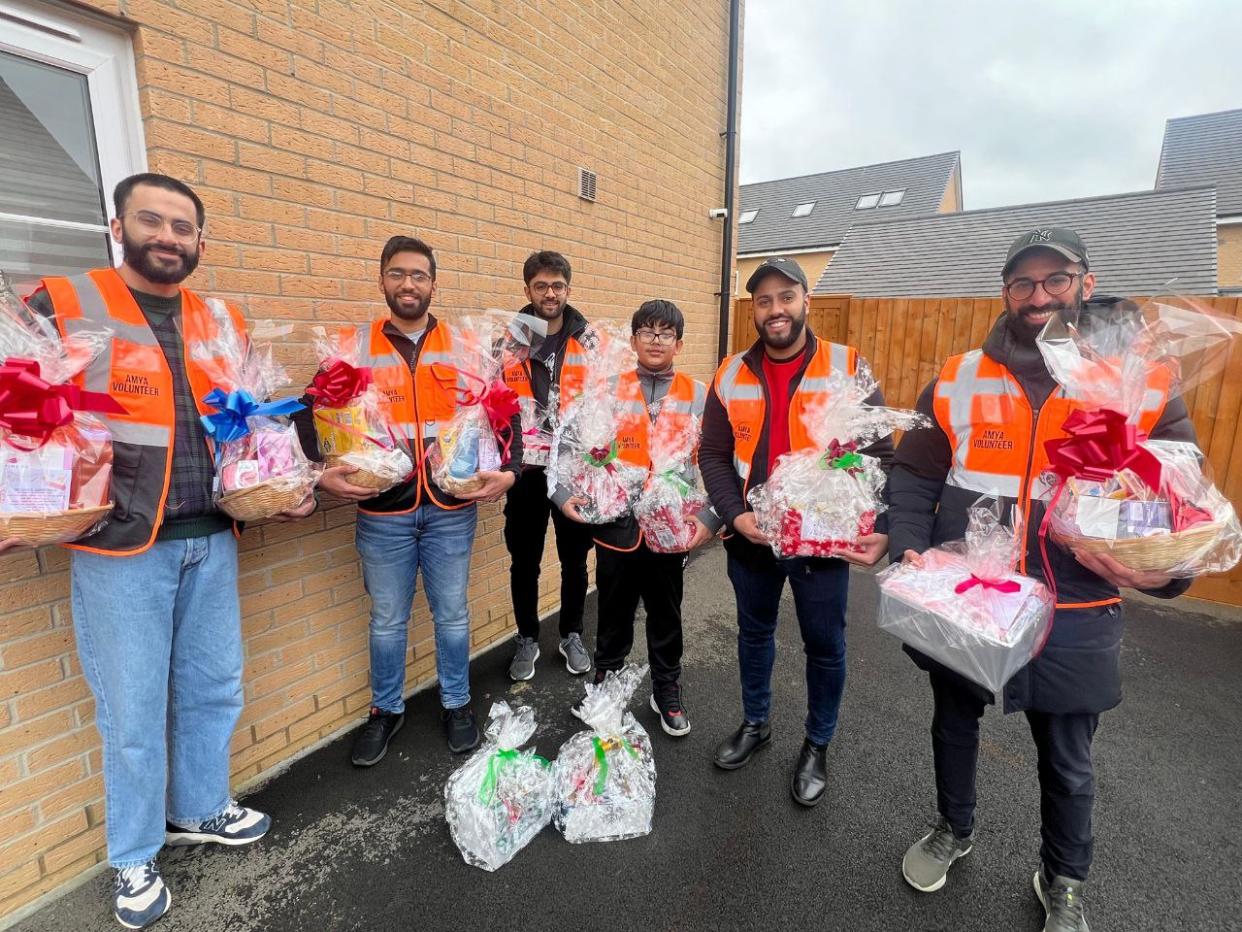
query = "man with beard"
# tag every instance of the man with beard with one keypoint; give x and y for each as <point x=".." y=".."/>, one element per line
<point x="938" y="474"/>
<point x="555" y="371"/>
<point x="154" y="591"/>
<point x="753" y="416"/>
<point x="415" y="526"/>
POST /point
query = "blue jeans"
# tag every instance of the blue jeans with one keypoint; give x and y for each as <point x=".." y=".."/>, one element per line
<point x="393" y="549"/>
<point x="159" y="635"/>
<point x="819" y="591"/>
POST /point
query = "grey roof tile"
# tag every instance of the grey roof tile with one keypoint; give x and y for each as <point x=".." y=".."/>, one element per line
<point x="1204" y="149"/>
<point x="835" y="193"/>
<point x="1138" y="243"/>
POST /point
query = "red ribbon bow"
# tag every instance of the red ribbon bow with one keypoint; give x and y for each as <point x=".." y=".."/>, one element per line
<point x="339" y="383"/>
<point x="1000" y="585"/>
<point x="30" y="406"/>
<point x="498" y="400"/>
<point x="1100" y="444"/>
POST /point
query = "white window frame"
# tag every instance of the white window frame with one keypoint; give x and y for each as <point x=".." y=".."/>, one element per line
<point x="803" y="210"/>
<point x="859" y="205"/>
<point x="900" y="193"/>
<point x="748" y="216"/>
<point x="88" y="45"/>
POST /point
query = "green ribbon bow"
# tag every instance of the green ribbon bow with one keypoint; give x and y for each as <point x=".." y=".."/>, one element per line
<point x="601" y="759"/>
<point x="499" y="760"/>
<point x="601" y="456"/>
<point x="673" y="478"/>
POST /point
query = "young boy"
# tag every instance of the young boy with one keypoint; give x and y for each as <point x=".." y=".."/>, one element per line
<point x="627" y="570"/>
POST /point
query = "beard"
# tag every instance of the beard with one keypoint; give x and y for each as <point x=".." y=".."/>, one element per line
<point x="796" y="326"/>
<point x="1025" y="331"/>
<point x="408" y="312"/>
<point x="140" y="259"/>
<point x="550" y="312"/>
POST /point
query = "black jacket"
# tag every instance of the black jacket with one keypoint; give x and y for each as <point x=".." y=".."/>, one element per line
<point x="724" y="485"/>
<point x="541" y="375"/>
<point x="1079" y="669"/>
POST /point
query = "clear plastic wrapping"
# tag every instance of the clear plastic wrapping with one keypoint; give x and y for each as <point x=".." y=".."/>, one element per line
<point x="261" y="470"/>
<point x="818" y="502"/>
<point x="55" y="456"/>
<point x="478" y="437"/>
<point x="501" y="798"/>
<point x="1149" y="504"/>
<point x="584" y="460"/>
<point x="351" y="424"/>
<point x="673" y="494"/>
<point x="538" y="426"/>
<point x="964" y="605"/>
<point x="605" y="777"/>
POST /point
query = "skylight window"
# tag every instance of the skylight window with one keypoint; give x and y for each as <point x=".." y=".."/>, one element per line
<point x="892" y="198"/>
<point x="867" y="201"/>
<point x="804" y="210"/>
<point x="748" y="216"/>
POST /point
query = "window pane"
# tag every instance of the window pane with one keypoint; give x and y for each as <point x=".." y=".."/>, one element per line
<point x="49" y="167"/>
<point x="31" y="250"/>
<point x="803" y="210"/>
<point x="867" y="200"/>
<point x="892" y="198"/>
<point x="748" y="216"/>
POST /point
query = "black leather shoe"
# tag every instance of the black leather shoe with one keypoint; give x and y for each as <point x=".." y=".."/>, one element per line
<point x="737" y="750"/>
<point x="371" y="744"/>
<point x="810" y="776"/>
<point x="459" y="727"/>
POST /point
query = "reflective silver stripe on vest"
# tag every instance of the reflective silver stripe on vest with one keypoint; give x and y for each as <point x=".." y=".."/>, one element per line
<point x="700" y="399"/>
<point x="985" y="483"/>
<point x="575" y="359"/>
<point x="960" y="393"/>
<point x="730" y="390"/>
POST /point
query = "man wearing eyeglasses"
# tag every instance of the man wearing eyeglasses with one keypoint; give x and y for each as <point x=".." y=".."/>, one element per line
<point x="550" y="378"/>
<point x="154" y="591"/>
<point x="939" y="472"/>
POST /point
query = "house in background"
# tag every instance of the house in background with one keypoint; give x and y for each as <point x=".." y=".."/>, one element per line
<point x="808" y="217"/>
<point x="1207" y="149"/>
<point x="1144" y="243"/>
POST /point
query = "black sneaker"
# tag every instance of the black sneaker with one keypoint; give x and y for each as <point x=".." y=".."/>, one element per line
<point x="459" y="727"/>
<point x="371" y="744"/>
<point x="673" y="719"/>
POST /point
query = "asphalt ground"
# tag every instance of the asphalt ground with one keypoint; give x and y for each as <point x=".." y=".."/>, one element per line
<point x="369" y="849"/>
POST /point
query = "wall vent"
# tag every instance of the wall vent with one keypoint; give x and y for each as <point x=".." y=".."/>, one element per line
<point x="586" y="184"/>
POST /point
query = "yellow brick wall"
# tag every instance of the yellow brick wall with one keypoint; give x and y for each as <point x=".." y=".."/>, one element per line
<point x="1229" y="258"/>
<point x="314" y="130"/>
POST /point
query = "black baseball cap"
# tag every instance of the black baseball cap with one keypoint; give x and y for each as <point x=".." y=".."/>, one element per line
<point x="787" y="267"/>
<point x="1058" y="239"/>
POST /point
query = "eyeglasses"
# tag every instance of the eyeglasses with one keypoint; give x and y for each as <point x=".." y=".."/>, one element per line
<point x="545" y="287"/>
<point x="396" y="276"/>
<point x="1055" y="284"/>
<point x="152" y="224"/>
<point x="663" y="337"/>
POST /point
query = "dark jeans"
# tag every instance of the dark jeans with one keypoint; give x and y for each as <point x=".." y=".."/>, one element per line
<point x="819" y="590"/>
<point x="624" y="579"/>
<point x="526" y="526"/>
<point x="1066" y="776"/>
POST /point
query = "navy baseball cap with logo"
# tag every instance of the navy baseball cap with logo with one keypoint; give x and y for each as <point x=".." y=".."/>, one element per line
<point x="1058" y="239"/>
<point x="787" y="267"/>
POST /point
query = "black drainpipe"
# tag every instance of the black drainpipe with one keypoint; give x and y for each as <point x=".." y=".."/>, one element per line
<point x="730" y="137"/>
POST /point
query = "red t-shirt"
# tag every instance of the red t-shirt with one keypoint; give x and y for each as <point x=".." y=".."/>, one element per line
<point x="779" y="374"/>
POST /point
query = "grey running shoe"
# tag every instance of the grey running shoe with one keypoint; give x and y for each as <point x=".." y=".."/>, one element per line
<point x="927" y="863"/>
<point x="1062" y="901"/>
<point x="577" y="660"/>
<point x="523" y="665"/>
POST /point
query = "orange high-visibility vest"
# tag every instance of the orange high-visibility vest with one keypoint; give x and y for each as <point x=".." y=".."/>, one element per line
<point x="741" y="393"/>
<point x="685" y="401"/>
<point x="573" y="374"/>
<point x="133" y="370"/>
<point x="418" y="403"/>
<point x="998" y="440"/>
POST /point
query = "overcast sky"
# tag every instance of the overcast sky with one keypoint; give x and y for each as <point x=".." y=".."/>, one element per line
<point x="1046" y="101"/>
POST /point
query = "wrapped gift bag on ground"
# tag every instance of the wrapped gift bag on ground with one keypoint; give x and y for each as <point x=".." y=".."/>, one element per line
<point x="818" y="502"/>
<point x="1150" y="504"/>
<point x="350" y="422"/>
<point x="673" y="494"/>
<point x="501" y="797"/>
<point x="965" y="605"/>
<point x="605" y="777"/>
<point x="55" y="455"/>
<point x="261" y="470"/>
<point x="479" y="435"/>
<point x="584" y="448"/>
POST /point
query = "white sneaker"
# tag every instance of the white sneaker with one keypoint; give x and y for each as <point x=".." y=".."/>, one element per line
<point x="236" y="825"/>
<point x="140" y="896"/>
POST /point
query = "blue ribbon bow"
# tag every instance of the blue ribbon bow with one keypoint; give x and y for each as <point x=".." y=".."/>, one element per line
<point x="235" y="408"/>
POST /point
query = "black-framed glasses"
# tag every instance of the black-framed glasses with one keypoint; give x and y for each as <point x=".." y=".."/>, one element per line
<point x="1055" y="285"/>
<point x="151" y="223"/>
<point x="663" y="337"/>
<point x="545" y="287"/>
<point x="397" y="276"/>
